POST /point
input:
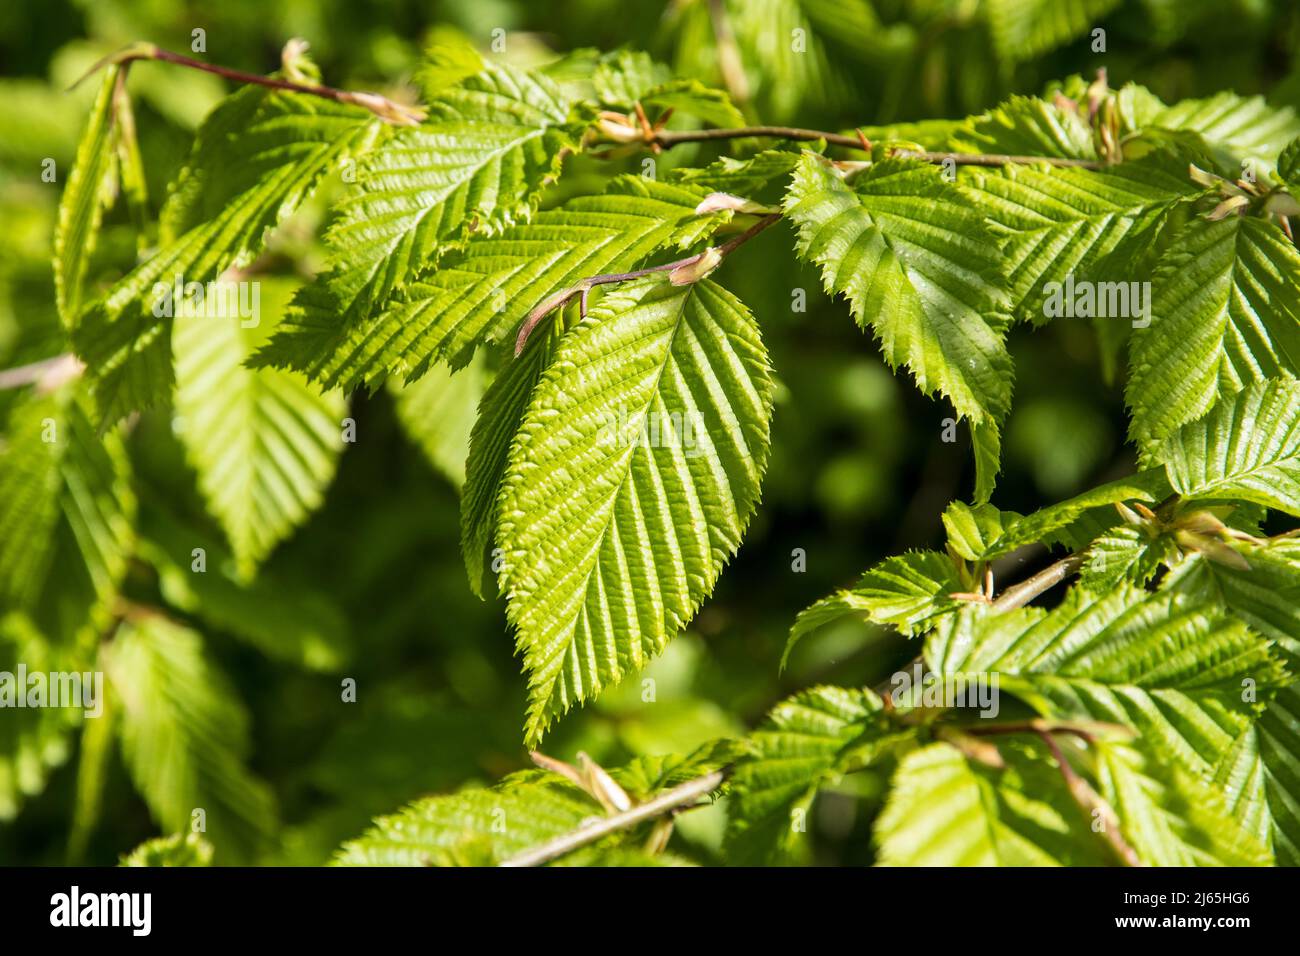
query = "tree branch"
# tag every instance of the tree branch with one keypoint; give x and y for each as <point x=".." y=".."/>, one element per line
<point x="1018" y="595"/>
<point x="381" y="106"/>
<point x="666" y="802"/>
<point x="668" y="138"/>
<point x="46" y="375"/>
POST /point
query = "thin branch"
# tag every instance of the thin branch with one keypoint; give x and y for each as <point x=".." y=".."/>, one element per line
<point x="668" y="138"/>
<point x="1018" y="595"/>
<point x="565" y="296"/>
<point x="46" y="375"/>
<point x="668" y="801"/>
<point x="1091" y="802"/>
<point x="381" y="106"/>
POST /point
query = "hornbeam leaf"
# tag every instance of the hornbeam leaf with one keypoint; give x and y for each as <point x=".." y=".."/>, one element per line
<point x="264" y="443"/>
<point x="1025" y="126"/>
<point x="918" y="267"/>
<point x="185" y="736"/>
<point x="1238" y="128"/>
<point x="1169" y="816"/>
<point x="1261" y="775"/>
<point x="293" y="141"/>
<point x="1093" y="226"/>
<point x="1169" y="667"/>
<point x="499" y="415"/>
<point x="1225" y="314"/>
<point x="487" y="289"/>
<point x="1025" y="29"/>
<point x="1078" y="520"/>
<point x="475" y="827"/>
<point x="944" y="810"/>
<point x="908" y="591"/>
<point x="476" y="164"/>
<point x="806" y="743"/>
<point x="1247" y="448"/>
<point x="179" y="849"/>
<point x="66" y="513"/>
<point x="629" y="484"/>
<point x="92" y="186"/>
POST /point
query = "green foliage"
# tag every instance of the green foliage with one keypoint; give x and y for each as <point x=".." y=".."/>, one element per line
<point x="176" y="510"/>
<point x="615" y="524"/>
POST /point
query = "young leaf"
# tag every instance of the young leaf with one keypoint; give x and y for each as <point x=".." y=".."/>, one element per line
<point x="91" y="188"/>
<point x="918" y="268"/>
<point x="185" y="736"/>
<point x="124" y="338"/>
<point x="945" y="810"/>
<point x="487" y="290"/>
<point x="1224" y="315"/>
<point x="630" y="483"/>
<point x="264" y="443"/>
<point x="1247" y="448"/>
<point x="179" y="849"/>
<point x="1169" y="816"/>
<point x="1168" y="667"/>
<point x="477" y="163"/>
<point x="807" y="742"/>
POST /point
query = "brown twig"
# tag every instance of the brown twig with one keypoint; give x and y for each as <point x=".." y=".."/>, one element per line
<point x="667" y="802"/>
<point x="381" y="106"/>
<point x="669" y="138"/>
<point x="1018" y="595"/>
<point x="581" y="289"/>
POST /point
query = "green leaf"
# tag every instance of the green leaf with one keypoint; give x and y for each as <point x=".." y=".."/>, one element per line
<point x="908" y="591"/>
<point x="1248" y="448"/>
<point x="185" y="736"/>
<point x="1026" y="29"/>
<point x="806" y="743"/>
<point x="945" y="810"/>
<point x="1170" y="668"/>
<point x="629" y="484"/>
<point x="292" y="142"/>
<point x="1237" y="127"/>
<point x="1224" y="315"/>
<point x="918" y="268"/>
<point x="66" y="513"/>
<point x="486" y="290"/>
<point x="500" y="414"/>
<point x="33" y="740"/>
<point x="478" y="163"/>
<point x="474" y="827"/>
<point x="179" y="849"/>
<point x="483" y="827"/>
<point x="438" y="413"/>
<point x="91" y="188"/>
<point x="1073" y="225"/>
<point x="264" y="443"/>
<point x="972" y="530"/>
<point x="1124" y="554"/>
<point x="1170" y="817"/>
<point x="1026" y="126"/>
<point x="1078" y="520"/>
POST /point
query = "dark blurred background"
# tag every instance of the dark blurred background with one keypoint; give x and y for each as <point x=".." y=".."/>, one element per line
<point x="858" y="468"/>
